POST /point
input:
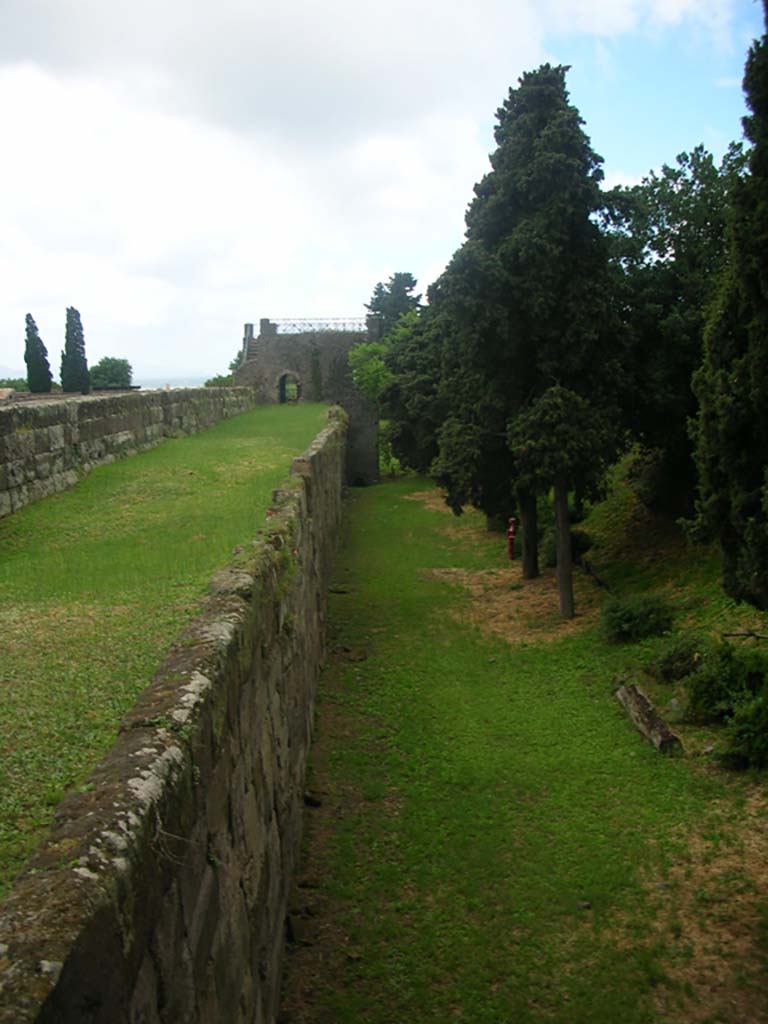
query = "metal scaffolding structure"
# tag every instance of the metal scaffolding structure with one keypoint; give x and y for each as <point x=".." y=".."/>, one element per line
<point x="344" y="323"/>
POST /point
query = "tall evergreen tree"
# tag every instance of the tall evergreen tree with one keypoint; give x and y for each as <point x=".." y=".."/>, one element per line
<point x="393" y="299"/>
<point x="74" y="365"/>
<point x="731" y="429"/>
<point x="39" y="375"/>
<point x="530" y="295"/>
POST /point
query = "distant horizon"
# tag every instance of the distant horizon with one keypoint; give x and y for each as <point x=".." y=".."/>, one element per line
<point x="156" y="380"/>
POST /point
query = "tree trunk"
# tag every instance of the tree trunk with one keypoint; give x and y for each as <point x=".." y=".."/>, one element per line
<point x="648" y="720"/>
<point x="564" y="566"/>
<point x="529" y="523"/>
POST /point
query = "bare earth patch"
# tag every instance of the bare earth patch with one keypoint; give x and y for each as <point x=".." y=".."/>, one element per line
<point x="432" y="499"/>
<point x="521" y="611"/>
<point x="504" y="604"/>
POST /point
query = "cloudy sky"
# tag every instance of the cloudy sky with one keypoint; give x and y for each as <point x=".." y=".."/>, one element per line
<point x="175" y="168"/>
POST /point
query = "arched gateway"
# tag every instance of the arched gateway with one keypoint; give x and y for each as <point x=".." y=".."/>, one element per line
<point x="288" y="387"/>
<point x="292" y="360"/>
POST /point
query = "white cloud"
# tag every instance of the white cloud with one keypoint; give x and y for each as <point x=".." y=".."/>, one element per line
<point x="175" y="169"/>
<point x="301" y="71"/>
<point x="614" y="17"/>
<point x="166" y="234"/>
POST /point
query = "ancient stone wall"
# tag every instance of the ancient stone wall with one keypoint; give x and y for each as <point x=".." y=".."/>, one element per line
<point x="48" y="446"/>
<point x="318" y="361"/>
<point x="161" y="895"/>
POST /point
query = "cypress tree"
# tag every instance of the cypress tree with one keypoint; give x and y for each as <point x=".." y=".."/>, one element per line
<point x="529" y="296"/>
<point x="74" y="366"/>
<point x="36" y="357"/>
<point x="731" y="428"/>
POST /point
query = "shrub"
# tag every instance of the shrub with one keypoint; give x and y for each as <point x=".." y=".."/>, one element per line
<point x="748" y="746"/>
<point x="389" y="464"/>
<point x="626" y="619"/>
<point x="681" y="658"/>
<point x="726" y="679"/>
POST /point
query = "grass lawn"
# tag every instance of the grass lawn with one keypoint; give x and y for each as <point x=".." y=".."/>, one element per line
<point x="496" y="844"/>
<point x="96" y="582"/>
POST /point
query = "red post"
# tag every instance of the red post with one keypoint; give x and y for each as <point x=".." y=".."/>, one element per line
<point x="511" y="531"/>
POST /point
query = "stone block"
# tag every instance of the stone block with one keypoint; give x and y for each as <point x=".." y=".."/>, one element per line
<point x="232" y="956"/>
<point x="56" y="437"/>
<point x="203" y="919"/>
<point x="170" y="950"/>
<point x="19" y="497"/>
<point x="143" y="1007"/>
<point x="43" y="466"/>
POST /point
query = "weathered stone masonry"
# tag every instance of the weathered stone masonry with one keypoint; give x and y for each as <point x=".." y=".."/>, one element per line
<point x="48" y="446"/>
<point x="317" y="360"/>
<point x="161" y="895"/>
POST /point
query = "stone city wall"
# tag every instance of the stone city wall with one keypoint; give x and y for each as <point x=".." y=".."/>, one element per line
<point x="318" y="361"/>
<point x="161" y="894"/>
<point x="47" y="446"/>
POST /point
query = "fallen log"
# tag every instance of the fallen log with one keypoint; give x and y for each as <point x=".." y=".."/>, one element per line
<point x="648" y="720"/>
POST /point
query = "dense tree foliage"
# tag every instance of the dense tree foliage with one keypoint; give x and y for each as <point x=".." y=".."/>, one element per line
<point x="111" y="372"/>
<point x="398" y="310"/>
<point x="667" y="239"/>
<point x="528" y="298"/>
<point x="413" y="398"/>
<point x="731" y="430"/>
<point x="74" y="365"/>
<point x="39" y="377"/>
<point x="17" y="383"/>
<point x="391" y="300"/>
<point x="369" y="371"/>
<point x="571" y="320"/>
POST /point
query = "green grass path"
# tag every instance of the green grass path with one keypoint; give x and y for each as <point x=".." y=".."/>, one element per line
<point x="490" y="820"/>
<point x="96" y="582"/>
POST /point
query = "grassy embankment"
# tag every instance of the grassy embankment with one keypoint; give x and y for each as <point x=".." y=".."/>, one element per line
<point x="496" y="843"/>
<point x="96" y="582"/>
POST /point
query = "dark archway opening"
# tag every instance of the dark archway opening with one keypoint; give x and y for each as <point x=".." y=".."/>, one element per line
<point x="288" y="388"/>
